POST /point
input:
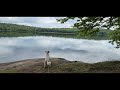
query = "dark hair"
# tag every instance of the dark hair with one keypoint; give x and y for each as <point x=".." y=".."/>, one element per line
<point x="47" y="51"/>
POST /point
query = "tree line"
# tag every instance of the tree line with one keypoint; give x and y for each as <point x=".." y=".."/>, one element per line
<point x="9" y="30"/>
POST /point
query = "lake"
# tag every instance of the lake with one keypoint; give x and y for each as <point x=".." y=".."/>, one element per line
<point x="89" y="51"/>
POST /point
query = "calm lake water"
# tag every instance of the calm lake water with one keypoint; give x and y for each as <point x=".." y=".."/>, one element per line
<point x="90" y="51"/>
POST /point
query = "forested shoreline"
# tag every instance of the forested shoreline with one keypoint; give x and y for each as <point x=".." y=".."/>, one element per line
<point x="14" y="30"/>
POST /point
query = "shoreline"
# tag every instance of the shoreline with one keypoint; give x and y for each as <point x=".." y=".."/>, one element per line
<point x="59" y="65"/>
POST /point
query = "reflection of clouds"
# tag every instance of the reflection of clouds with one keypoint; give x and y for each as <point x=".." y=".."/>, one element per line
<point x="5" y="51"/>
<point x="71" y="49"/>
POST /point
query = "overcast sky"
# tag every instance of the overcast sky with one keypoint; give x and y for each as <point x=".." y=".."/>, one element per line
<point x="45" y="22"/>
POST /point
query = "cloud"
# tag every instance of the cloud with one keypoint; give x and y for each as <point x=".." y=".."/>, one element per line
<point x="45" y="22"/>
<point x="90" y="51"/>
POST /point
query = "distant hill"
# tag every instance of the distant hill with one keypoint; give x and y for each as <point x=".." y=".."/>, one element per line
<point x="13" y="30"/>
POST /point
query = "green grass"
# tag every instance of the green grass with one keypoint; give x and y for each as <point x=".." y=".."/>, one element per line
<point x="108" y="66"/>
<point x="71" y="67"/>
<point x="68" y="67"/>
<point x="77" y="67"/>
<point x="9" y="71"/>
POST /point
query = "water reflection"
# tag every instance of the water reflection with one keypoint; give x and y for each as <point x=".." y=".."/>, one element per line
<point x="91" y="51"/>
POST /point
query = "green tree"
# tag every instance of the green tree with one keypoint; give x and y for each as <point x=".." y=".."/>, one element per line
<point x="89" y="26"/>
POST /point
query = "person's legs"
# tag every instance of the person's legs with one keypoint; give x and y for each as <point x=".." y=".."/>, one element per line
<point x="44" y="64"/>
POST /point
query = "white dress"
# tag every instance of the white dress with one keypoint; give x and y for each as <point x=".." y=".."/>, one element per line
<point x="47" y="57"/>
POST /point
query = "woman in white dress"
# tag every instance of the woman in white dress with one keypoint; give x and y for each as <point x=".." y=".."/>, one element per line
<point x="47" y="59"/>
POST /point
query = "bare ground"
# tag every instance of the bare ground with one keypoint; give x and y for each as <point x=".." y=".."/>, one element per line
<point x="59" y="65"/>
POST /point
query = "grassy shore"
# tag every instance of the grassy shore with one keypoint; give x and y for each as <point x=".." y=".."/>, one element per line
<point x="59" y="65"/>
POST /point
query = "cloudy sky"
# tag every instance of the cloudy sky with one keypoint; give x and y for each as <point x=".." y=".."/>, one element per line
<point x="45" y="22"/>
